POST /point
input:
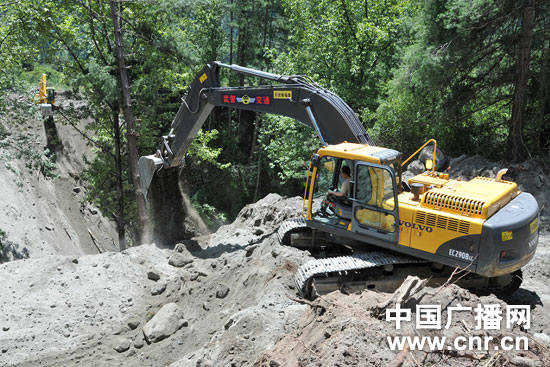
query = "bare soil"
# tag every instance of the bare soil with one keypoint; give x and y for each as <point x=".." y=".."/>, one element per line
<point x="65" y="304"/>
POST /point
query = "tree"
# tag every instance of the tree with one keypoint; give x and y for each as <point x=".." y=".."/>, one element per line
<point x="456" y="78"/>
<point x="516" y="148"/>
<point x="348" y="46"/>
<point x="130" y="122"/>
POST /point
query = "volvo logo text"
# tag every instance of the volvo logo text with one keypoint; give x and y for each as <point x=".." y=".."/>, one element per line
<point x="420" y="227"/>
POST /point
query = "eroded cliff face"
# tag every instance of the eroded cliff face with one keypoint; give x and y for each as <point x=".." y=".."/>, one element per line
<point x="40" y="215"/>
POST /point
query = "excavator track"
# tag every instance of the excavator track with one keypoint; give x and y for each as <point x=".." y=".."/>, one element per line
<point x="378" y="269"/>
<point x="310" y="276"/>
<point x="289" y="227"/>
<point x="314" y="272"/>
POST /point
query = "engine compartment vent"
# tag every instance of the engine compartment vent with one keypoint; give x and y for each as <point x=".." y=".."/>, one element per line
<point x="443" y="222"/>
<point x="453" y="203"/>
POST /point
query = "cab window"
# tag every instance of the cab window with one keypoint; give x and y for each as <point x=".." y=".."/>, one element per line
<point x="325" y="176"/>
<point x="375" y="198"/>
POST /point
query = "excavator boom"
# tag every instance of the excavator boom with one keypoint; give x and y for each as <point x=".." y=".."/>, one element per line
<point x="297" y="98"/>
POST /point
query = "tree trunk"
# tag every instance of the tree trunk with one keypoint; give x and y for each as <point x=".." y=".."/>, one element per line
<point x="130" y="122"/>
<point x="516" y="148"/>
<point x="119" y="217"/>
<point x="231" y="32"/>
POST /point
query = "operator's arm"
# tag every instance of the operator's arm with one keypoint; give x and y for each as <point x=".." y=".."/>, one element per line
<point x="344" y="191"/>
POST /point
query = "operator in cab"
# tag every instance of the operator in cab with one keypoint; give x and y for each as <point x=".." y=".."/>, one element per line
<point x="344" y="190"/>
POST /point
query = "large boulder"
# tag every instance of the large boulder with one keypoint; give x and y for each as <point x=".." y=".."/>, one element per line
<point x="179" y="260"/>
<point x="416" y="167"/>
<point x="166" y="322"/>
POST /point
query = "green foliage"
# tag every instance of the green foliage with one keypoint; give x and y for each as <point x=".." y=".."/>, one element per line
<point x="348" y="46"/>
<point x="288" y="147"/>
<point x="16" y="143"/>
<point x="23" y="147"/>
<point x="412" y="70"/>
<point x="32" y="75"/>
<point x="454" y="82"/>
<point x="200" y="150"/>
<point x="209" y="214"/>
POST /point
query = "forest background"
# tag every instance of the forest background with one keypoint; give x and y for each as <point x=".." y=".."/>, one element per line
<point x="473" y="74"/>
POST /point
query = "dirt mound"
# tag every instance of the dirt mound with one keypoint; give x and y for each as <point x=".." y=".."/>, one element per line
<point x="234" y="288"/>
<point x="340" y="330"/>
<point x="219" y="300"/>
<point x="229" y="299"/>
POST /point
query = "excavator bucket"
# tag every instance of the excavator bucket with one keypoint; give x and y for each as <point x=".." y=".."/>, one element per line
<point x="147" y="166"/>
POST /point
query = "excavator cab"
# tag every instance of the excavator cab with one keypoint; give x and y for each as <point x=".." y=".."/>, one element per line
<point x="371" y="207"/>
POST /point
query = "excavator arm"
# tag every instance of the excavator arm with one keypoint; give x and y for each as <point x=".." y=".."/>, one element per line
<point x="295" y="97"/>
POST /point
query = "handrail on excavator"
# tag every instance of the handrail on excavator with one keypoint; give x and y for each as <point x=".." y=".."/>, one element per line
<point x="419" y="149"/>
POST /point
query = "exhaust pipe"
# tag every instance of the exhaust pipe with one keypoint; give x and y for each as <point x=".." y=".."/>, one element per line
<point x="148" y="165"/>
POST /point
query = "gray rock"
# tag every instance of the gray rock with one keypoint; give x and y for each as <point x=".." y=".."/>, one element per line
<point x="250" y="250"/>
<point x="158" y="288"/>
<point x="138" y="343"/>
<point x="204" y="363"/>
<point x="133" y="324"/>
<point x="153" y="274"/>
<point x="165" y="323"/>
<point x="544" y="338"/>
<point x="222" y="291"/>
<point x="525" y="362"/>
<point x="416" y="167"/>
<point x="187" y="247"/>
<point x="120" y="344"/>
<point x="179" y="260"/>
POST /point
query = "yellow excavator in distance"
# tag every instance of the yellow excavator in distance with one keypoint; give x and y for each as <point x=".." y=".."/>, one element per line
<point x="385" y="228"/>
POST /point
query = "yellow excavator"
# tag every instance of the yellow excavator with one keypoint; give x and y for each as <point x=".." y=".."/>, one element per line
<point x="383" y="228"/>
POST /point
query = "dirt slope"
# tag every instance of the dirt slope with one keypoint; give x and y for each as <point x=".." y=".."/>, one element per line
<point x="233" y="288"/>
<point x="236" y="292"/>
<point x="44" y="216"/>
<point x="352" y="331"/>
